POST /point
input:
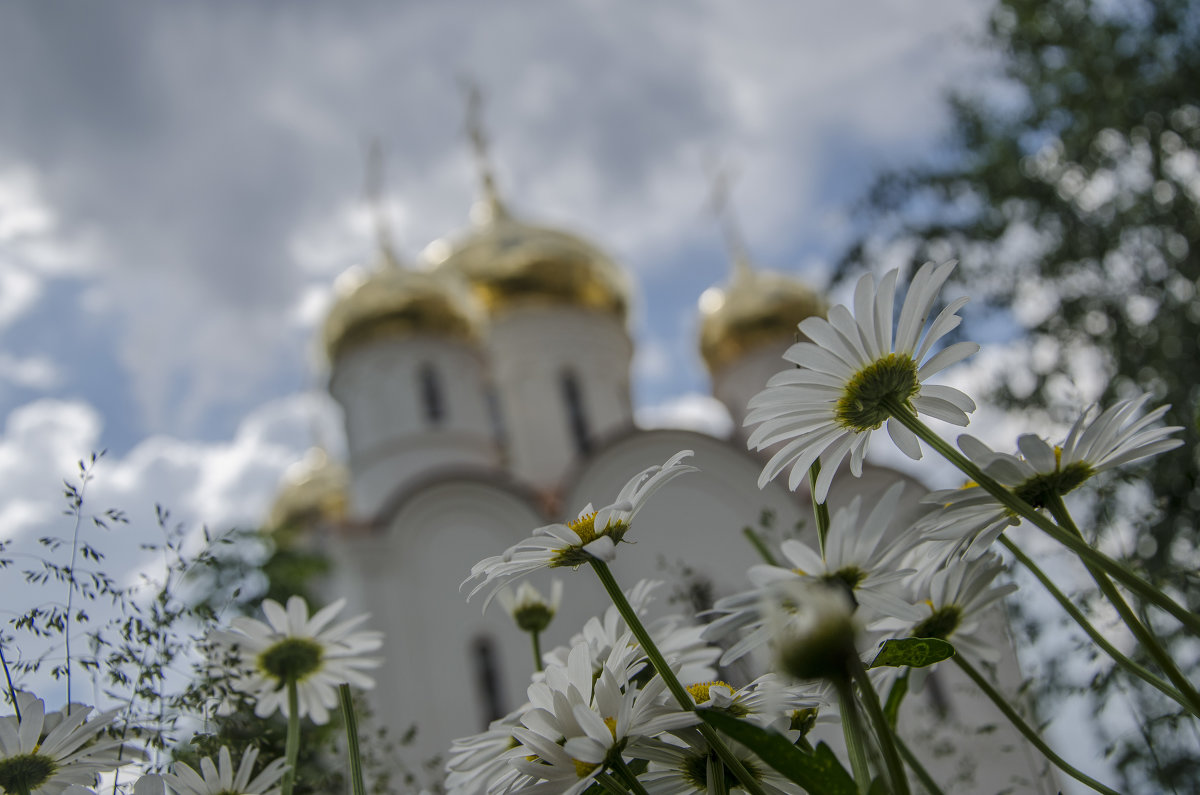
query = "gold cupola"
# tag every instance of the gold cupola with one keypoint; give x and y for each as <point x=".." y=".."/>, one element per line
<point x="312" y="492"/>
<point x="756" y="307"/>
<point x="388" y="300"/>
<point x="511" y="263"/>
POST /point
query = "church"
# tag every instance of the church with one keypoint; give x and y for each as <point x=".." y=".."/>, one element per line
<point x="485" y="391"/>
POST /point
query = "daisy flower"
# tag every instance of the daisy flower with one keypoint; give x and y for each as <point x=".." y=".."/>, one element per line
<point x="291" y="646"/>
<point x="694" y="768"/>
<point x="766" y="701"/>
<point x="531" y="611"/>
<point x="45" y="753"/>
<point x="592" y="534"/>
<point x="974" y="519"/>
<point x="856" y="557"/>
<point x="222" y="779"/>
<point x="678" y="638"/>
<point x="954" y="600"/>
<point x="572" y="744"/>
<point x="830" y="403"/>
<point x="475" y="762"/>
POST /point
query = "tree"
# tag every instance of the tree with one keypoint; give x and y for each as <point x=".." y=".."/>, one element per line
<point x="1070" y="192"/>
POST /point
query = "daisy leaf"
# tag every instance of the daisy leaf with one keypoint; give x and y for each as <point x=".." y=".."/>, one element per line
<point x="913" y="652"/>
<point x="819" y="772"/>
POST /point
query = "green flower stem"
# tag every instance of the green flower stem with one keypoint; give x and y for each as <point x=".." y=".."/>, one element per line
<point x="896" y="695"/>
<point x="668" y="676"/>
<point x="12" y="691"/>
<point x="1123" y="573"/>
<point x="1162" y="658"/>
<point x="610" y="784"/>
<point x="914" y="764"/>
<point x="292" y="749"/>
<point x="628" y="776"/>
<point x="820" y="509"/>
<point x="714" y="776"/>
<point x="537" y="649"/>
<point x="1120" y="659"/>
<point x="856" y="742"/>
<point x="1027" y="730"/>
<point x="759" y="546"/>
<point x="348" y="717"/>
<point x="883" y="730"/>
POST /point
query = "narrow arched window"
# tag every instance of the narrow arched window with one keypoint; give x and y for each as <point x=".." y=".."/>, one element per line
<point x="576" y="417"/>
<point x="431" y="394"/>
<point x="496" y="416"/>
<point x="487" y="678"/>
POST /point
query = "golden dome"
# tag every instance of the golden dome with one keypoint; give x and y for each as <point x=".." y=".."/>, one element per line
<point x="313" y="490"/>
<point x="754" y="309"/>
<point x="392" y="301"/>
<point x="511" y="263"/>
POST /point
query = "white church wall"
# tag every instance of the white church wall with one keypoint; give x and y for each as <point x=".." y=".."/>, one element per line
<point x="531" y="349"/>
<point x="391" y="435"/>
<point x="407" y="575"/>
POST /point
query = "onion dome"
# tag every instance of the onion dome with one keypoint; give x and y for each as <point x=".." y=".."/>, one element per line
<point x="391" y="301"/>
<point x="509" y="263"/>
<point x="313" y="491"/>
<point x="756" y="308"/>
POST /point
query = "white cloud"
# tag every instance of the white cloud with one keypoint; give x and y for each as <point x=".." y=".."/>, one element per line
<point x="19" y="291"/>
<point x="692" y="411"/>
<point x="31" y="372"/>
<point x="23" y="213"/>
<point x="651" y="361"/>
<point x="42" y="444"/>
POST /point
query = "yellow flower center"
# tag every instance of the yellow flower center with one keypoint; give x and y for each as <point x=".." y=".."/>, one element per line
<point x="585" y="527"/>
<point x="894" y="377"/>
<point x="582" y="769"/>
<point x="699" y="691"/>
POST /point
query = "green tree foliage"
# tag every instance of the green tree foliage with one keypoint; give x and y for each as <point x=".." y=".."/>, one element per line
<point x="1070" y="191"/>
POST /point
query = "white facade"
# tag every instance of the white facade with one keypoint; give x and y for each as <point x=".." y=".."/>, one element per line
<point x="562" y="382"/>
<point x="411" y="405"/>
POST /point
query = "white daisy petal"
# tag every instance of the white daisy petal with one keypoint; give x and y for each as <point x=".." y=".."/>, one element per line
<point x="852" y="376"/>
<point x="905" y="439"/>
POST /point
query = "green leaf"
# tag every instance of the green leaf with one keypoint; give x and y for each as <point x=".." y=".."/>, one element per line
<point x="913" y="652"/>
<point x="819" y="773"/>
